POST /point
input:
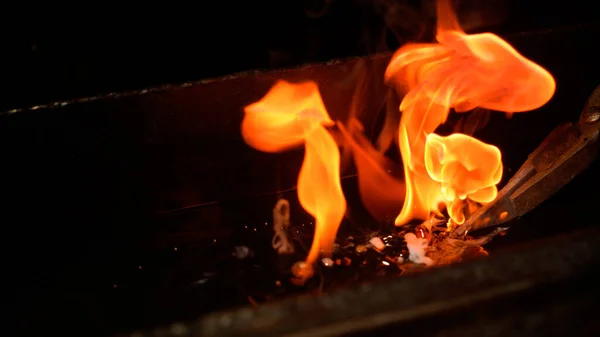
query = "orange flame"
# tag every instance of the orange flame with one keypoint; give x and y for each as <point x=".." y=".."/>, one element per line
<point x="381" y="193"/>
<point x="284" y="116"/>
<point x="461" y="71"/>
<point x="290" y="115"/>
<point x="465" y="167"/>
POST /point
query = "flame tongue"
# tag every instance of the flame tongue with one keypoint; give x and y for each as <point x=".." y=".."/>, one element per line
<point x="290" y="115"/>
<point x="461" y="71"/>
<point x="381" y="193"/>
<point x="282" y="118"/>
<point x="320" y="192"/>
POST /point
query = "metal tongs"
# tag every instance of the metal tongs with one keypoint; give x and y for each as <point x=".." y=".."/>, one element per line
<point x="565" y="153"/>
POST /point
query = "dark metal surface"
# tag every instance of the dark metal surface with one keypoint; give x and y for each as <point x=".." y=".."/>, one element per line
<point x="426" y="298"/>
<point x="566" y="152"/>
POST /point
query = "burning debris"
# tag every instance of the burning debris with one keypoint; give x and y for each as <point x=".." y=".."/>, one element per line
<point x="327" y="262"/>
<point x="377" y="243"/>
<point x="417" y="248"/>
<point x="409" y="248"/>
<point x="301" y="272"/>
<point x="454" y="173"/>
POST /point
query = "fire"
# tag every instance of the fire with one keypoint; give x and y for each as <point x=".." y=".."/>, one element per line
<point x="284" y="117"/>
<point x="455" y="172"/>
<point x="465" y="168"/>
<point x="379" y="191"/>
<point x="290" y="115"/>
<point x="459" y="72"/>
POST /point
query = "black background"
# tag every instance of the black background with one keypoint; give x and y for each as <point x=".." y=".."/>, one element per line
<point x="53" y="52"/>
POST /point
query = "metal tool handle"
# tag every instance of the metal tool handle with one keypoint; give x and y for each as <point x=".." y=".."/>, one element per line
<point x="567" y="151"/>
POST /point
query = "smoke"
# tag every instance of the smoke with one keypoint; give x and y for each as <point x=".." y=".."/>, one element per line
<point x="476" y="15"/>
<point x="316" y="8"/>
<point x="402" y="21"/>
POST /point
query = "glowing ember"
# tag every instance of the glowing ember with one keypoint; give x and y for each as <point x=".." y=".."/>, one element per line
<point x="287" y="116"/>
<point x="462" y="72"/>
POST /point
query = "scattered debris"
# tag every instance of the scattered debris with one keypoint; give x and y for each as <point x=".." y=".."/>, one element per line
<point x="242" y="252"/>
<point x="200" y="281"/>
<point x="281" y="222"/>
<point x="349" y="243"/>
<point x="377" y="243"/>
<point x="327" y="262"/>
<point x="301" y="272"/>
<point x="417" y="248"/>
<point x="447" y="250"/>
<point x="422" y="231"/>
<point x="252" y="302"/>
<point x="389" y="259"/>
<point x="207" y="276"/>
<point x="396" y="250"/>
<point x="361" y="249"/>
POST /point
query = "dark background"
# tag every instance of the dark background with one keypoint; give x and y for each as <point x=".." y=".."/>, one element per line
<point x="60" y="52"/>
